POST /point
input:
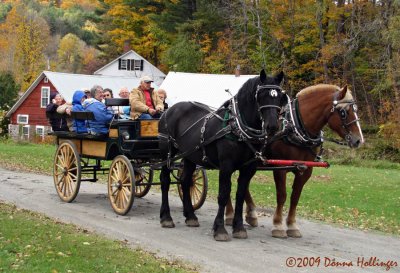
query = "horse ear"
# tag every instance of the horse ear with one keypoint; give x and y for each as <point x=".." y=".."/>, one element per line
<point x="342" y="93"/>
<point x="279" y="77"/>
<point x="263" y="75"/>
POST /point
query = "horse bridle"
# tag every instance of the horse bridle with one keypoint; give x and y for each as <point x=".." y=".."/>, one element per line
<point x="340" y="107"/>
<point x="248" y="132"/>
<point x="274" y="89"/>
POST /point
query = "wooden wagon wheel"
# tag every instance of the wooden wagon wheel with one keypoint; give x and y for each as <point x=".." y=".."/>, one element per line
<point x="121" y="185"/>
<point x="198" y="190"/>
<point x="143" y="175"/>
<point x="67" y="171"/>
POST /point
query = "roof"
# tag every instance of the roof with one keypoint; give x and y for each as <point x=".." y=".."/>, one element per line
<point x="154" y="68"/>
<point x="205" y="88"/>
<point x="66" y="84"/>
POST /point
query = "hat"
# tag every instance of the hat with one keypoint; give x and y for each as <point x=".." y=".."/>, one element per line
<point x="53" y="95"/>
<point x="146" y="79"/>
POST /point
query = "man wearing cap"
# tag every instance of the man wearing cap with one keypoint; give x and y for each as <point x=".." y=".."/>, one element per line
<point x="144" y="101"/>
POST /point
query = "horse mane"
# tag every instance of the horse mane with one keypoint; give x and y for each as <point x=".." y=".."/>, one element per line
<point x="326" y="88"/>
<point x="248" y="87"/>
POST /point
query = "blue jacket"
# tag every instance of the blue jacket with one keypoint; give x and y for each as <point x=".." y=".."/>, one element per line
<point x="79" y="124"/>
<point x="102" y="116"/>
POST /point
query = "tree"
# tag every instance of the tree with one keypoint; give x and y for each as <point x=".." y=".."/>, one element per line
<point x="8" y="90"/>
<point x="8" y="96"/>
<point x="184" y="56"/>
<point x="70" y="53"/>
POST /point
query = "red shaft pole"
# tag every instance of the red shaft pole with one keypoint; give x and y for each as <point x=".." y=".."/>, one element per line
<point x="281" y="162"/>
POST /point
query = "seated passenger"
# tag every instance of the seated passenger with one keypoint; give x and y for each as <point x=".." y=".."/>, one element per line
<point x="124" y="111"/>
<point x="144" y="101"/>
<point x="79" y="125"/>
<point x="163" y="96"/>
<point x="57" y="123"/>
<point x="102" y="116"/>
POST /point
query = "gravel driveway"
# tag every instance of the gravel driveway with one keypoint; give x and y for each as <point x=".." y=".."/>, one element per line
<point x="323" y="248"/>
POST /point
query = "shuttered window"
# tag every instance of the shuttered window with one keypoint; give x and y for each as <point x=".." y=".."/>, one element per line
<point x="130" y="64"/>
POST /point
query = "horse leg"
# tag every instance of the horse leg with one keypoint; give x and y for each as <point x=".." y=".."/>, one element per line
<point x="229" y="213"/>
<point x="245" y="174"/>
<point x="224" y="190"/>
<point x="298" y="184"/>
<point x="278" y="231"/>
<point x="251" y="214"/>
<point x="165" y="215"/>
<point x="187" y="181"/>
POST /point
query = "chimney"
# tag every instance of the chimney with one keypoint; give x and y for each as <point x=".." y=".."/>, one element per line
<point x="127" y="45"/>
<point x="237" y="71"/>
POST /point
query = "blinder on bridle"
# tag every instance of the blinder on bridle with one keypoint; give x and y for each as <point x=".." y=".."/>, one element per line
<point x="342" y="107"/>
<point x="273" y="92"/>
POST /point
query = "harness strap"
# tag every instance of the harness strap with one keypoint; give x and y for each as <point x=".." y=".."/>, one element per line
<point x="221" y="133"/>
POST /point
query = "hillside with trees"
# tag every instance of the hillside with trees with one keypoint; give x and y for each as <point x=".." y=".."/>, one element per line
<point x="340" y="42"/>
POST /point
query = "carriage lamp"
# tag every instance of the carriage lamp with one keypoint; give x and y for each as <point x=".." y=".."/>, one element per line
<point x="125" y="135"/>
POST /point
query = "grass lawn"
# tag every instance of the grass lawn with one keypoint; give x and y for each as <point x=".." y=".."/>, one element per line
<point x="32" y="242"/>
<point x="360" y="197"/>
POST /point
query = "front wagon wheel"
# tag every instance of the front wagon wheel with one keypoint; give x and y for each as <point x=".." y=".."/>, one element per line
<point x="121" y="185"/>
<point x="67" y="171"/>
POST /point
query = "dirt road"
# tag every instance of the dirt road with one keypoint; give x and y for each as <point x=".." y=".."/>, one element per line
<point x="329" y="249"/>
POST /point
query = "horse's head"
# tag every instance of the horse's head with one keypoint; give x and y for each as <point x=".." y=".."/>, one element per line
<point x="343" y="118"/>
<point x="269" y="100"/>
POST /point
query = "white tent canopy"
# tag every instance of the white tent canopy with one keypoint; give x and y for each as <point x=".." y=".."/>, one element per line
<point x="205" y="88"/>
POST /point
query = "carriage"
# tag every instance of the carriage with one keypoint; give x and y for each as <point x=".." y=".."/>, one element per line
<point x="234" y="137"/>
<point x="132" y="148"/>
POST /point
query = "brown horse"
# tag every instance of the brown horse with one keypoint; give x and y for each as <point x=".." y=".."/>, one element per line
<point x="313" y="108"/>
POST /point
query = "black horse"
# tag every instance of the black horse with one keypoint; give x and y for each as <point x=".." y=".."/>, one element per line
<point x="227" y="139"/>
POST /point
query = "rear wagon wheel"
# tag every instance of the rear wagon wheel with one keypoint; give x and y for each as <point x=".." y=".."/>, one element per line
<point x="121" y="185"/>
<point x="198" y="189"/>
<point x="143" y="175"/>
<point x="67" y="171"/>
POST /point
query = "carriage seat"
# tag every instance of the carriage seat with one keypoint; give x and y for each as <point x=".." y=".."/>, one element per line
<point x="117" y="102"/>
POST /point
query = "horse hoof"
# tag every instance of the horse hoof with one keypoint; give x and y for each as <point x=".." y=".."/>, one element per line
<point x="221" y="237"/>
<point x="167" y="224"/>
<point x="241" y="234"/>
<point x="294" y="233"/>
<point x="279" y="233"/>
<point x="192" y="223"/>
<point x="228" y="221"/>
<point x="252" y="221"/>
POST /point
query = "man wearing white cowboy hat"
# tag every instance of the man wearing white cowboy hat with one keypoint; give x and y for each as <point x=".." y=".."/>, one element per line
<point x="144" y="101"/>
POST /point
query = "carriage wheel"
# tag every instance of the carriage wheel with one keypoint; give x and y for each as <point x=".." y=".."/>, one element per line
<point x="198" y="190"/>
<point x="121" y="185"/>
<point x="67" y="171"/>
<point x="143" y="175"/>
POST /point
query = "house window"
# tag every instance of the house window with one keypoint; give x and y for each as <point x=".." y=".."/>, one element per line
<point x="137" y="65"/>
<point x="40" y="131"/>
<point x="124" y="65"/>
<point x="25" y="131"/>
<point x="22" y="119"/>
<point x="45" y="96"/>
<point x="45" y="80"/>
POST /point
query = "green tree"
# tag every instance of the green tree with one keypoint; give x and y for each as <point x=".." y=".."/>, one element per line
<point x="8" y="96"/>
<point x="184" y="56"/>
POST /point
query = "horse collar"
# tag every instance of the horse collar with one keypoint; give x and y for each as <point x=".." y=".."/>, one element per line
<point x="299" y="136"/>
